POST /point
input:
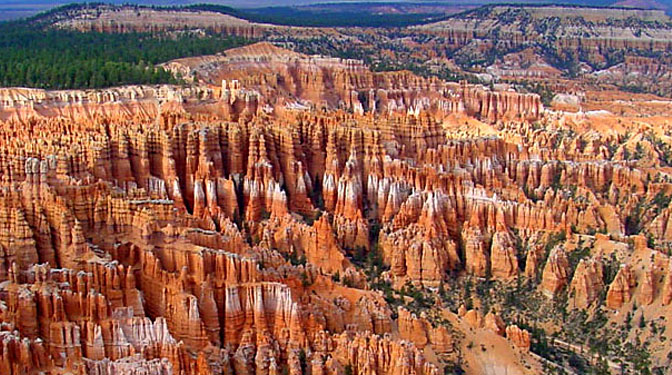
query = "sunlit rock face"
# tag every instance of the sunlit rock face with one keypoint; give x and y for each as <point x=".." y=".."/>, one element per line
<point x="266" y="218"/>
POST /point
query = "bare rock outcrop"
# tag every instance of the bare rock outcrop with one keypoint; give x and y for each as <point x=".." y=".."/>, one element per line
<point x="556" y="272"/>
<point x="620" y="291"/>
<point x="587" y="283"/>
<point x="519" y="337"/>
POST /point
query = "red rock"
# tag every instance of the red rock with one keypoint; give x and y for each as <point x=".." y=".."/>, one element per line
<point x="556" y="272"/>
<point x="519" y="337"/>
<point x="163" y="229"/>
<point x="474" y="318"/>
<point x="532" y="263"/>
<point x="587" y="283"/>
<point x="495" y="323"/>
<point x="620" y="290"/>
<point x="476" y="256"/>
<point x="412" y="328"/>
<point x="503" y="256"/>
<point x="647" y="290"/>
<point x="667" y="288"/>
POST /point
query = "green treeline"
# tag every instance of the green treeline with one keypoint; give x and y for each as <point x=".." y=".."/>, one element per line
<point x="64" y="59"/>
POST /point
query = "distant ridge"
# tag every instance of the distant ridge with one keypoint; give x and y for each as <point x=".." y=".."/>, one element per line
<point x="324" y="13"/>
<point x="642" y="4"/>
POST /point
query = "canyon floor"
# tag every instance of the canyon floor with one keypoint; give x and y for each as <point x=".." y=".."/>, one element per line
<point x="281" y="212"/>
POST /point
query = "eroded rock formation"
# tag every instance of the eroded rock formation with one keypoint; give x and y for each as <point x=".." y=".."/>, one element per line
<point x="277" y="212"/>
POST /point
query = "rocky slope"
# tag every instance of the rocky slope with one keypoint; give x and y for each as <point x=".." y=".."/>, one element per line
<point x="522" y="43"/>
<point x="129" y="18"/>
<point x="301" y="214"/>
<point x="286" y="80"/>
<point x="193" y="231"/>
<point x="582" y="28"/>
